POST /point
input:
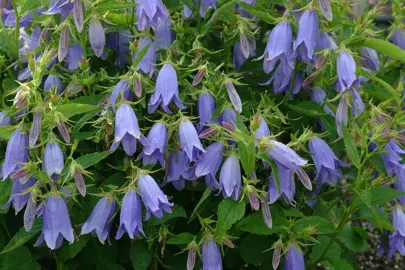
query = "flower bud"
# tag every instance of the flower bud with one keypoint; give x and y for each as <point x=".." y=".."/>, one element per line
<point x="208" y="132"/>
<point x="234" y="96"/>
<point x="79" y="180"/>
<point x="267" y="215"/>
<point x="276" y="257"/>
<point x="254" y="202"/>
<point x="228" y="242"/>
<point x="198" y="77"/>
<point x="63" y="43"/>
<point x="35" y="128"/>
<point x="191" y="258"/>
<point x="29" y="213"/>
<point x="63" y="131"/>
<point x="320" y="62"/>
<point x="137" y="84"/>
<point x="78" y="15"/>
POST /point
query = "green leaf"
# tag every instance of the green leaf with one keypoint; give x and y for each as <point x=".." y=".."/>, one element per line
<point x="20" y="259"/>
<point x="292" y="212"/>
<point x="5" y="190"/>
<point x="180" y="239"/>
<point x="320" y="224"/>
<point x="22" y="237"/>
<point x="120" y="18"/>
<point x="141" y="255"/>
<point x="252" y="248"/>
<point x="274" y="170"/>
<point x="338" y="264"/>
<point x="93" y="158"/>
<point x="352" y="240"/>
<point x="205" y="195"/>
<point x="247" y="153"/>
<point x="9" y="84"/>
<point x="254" y="224"/>
<point x="71" y="109"/>
<point x="385" y="47"/>
<point x="382" y="195"/>
<point x="82" y="121"/>
<point x="350" y="146"/>
<point x="383" y="83"/>
<point x="380" y="220"/>
<point x="229" y="212"/>
<point x="307" y="108"/>
<point x="67" y="252"/>
<point x="28" y="5"/>
<point x="177" y="211"/>
<point x="257" y="12"/>
<point x="6" y="132"/>
<point x="113" y="5"/>
<point x="141" y="54"/>
<point x="319" y="248"/>
<point x="7" y="43"/>
<point x="224" y="13"/>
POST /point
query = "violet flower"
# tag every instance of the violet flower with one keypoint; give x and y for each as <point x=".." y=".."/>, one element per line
<point x="370" y="58"/>
<point x="230" y="178"/>
<point x="346" y="68"/>
<point x="287" y="186"/>
<point x="392" y="160"/>
<point x="74" y="56"/>
<point x="398" y="38"/>
<point x="153" y="198"/>
<point x="318" y="95"/>
<point x="166" y="90"/>
<point x="62" y="7"/>
<point x="204" y="6"/>
<point x="308" y="28"/>
<point x="294" y="259"/>
<point x="53" y="81"/>
<point x="398" y="221"/>
<point x="147" y="65"/>
<point x="208" y="164"/>
<point x="78" y="17"/>
<point x="155" y="150"/>
<point x="17" y="197"/>
<point x="206" y="107"/>
<point x="177" y="169"/>
<point x="211" y="255"/>
<point x="4" y="120"/>
<point x="164" y="36"/>
<point x="326" y="9"/>
<point x="130" y="216"/>
<point x="396" y="243"/>
<point x="189" y="140"/>
<point x="16" y="153"/>
<point x="97" y="36"/>
<point x="122" y="87"/>
<point x="53" y="160"/>
<point x="35" y="128"/>
<point x="148" y="12"/>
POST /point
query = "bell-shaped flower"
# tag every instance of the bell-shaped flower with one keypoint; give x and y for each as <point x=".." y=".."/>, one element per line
<point x="97" y="36"/>
<point x="177" y="169"/>
<point x="56" y="223"/>
<point x="130" y="216"/>
<point x="398" y="38"/>
<point x="100" y="220"/>
<point x="204" y="6"/>
<point x="278" y="46"/>
<point x="74" y="56"/>
<point x="155" y="150"/>
<point x="398" y="221"/>
<point x="62" y="7"/>
<point x="357" y="102"/>
<point x="208" y="164"/>
<point x="53" y="81"/>
<point x="18" y="198"/>
<point x="346" y="68"/>
<point x="53" y="160"/>
<point x="122" y="87"/>
<point x="392" y="160"/>
<point x="287" y="186"/>
<point x="229" y="118"/>
<point x="263" y="130"/>
<point x="164" y="36"/>
<point x="148" y="13"/>
<point x="147" y="65"/>
<point x="189" y="140"/>
<point x="400" y="185"/>
<point x="166" y="90"/>
<point x="239" y="57"/>
<point x="230" y="178"/>
<point x="326" y="162"/>
<point x="370" y="58"/>
<point x="153" y="198"/>
<point x="318" y="95"/>
<point x="308" y="30"/>
<point x="211" y="255"/>
<point x="206" y="107"/>
<point x="4" y="119"/>
<point x="396" y="243"/>
<point x="119" y="43"/>
<point x="126" y="130"/>
<point x="324" y="42"/>
<point x="281" y="78"/>
<point x="16" y="153"/>
<point x="284" y="155"/>
<point x="294" y="259"/>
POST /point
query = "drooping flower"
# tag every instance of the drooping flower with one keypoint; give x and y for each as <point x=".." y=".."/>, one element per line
<point x="155" y="150"/>
<point x="278" y="47"/>
<point x="4" y="120"/>
<point x="119" y="43"/>
<point x="149" y="12"/>
<point x="126" y="130"/>
<point x="56" y="223"/>
<point x="326" y="162"/>
<point x="318" y="95"/>
<point x="308" y="30"/>
<point x="287" y="186"/>
<point x="370" y="58"/>
<point x="281" y="78"/>
<point x="400" y="185"/>
<point x="62" y="7"/>
<point x="398" y="220"/>
<point x="53" y="159"/>
<point x="164" y="36"/>
<point x="263" y="130"/>
<point x="130" y="216"/>
<point x="166" y="90"/>
<point x="100" y="220"/>
<point x="239" y="57"/>
<point x="35" y="128"/>
<point x="230" y="178"/>
<point x="294" y="259"/>
<point x="398" y="38"/>
<point x="53" y="81"/>
<point x="30" y="212"/>
<point x="209" y="162"/>
<point x="357" y="102"/>
<point x="211" y="255"/>
<point x="16" y="153"/>
<point x="392" y="160"/>
<point x="97" y="36"/>
<point x="189" y="140"/>
<point x="148" y="63"/>
<point x="342" y="115"/>
<point x="177" y="169"/>
<point x="206" y="107"/>
<point x="74" y="56"/>
<point x="324" y="41"/>
<point x="18" y="198"/>
<point x="122" y="87"/>
<point x="284" y="155"/>
<point x="204" y="6"/>
<point x="153" y="198"/>
<point x="229" y="118"/>
<point x="346" y="68"/>
<point x="396" y="243"/>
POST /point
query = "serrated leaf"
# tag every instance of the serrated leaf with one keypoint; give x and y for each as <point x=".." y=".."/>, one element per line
<point x="22" y="237"/>
<point x="206" y="194"/>
<point x="93" y="158"/>
<point x="71" y="109"/>
<point x="319" y="248"/>
<point x="141" y="255"/>
<point x="180" y="239"/>
<point x="351" y="147"/>
<point x="320" y="224"/>
<point x="177" y="211"/>
<point x="352" y="240"/>
<point x="229" y="212"/>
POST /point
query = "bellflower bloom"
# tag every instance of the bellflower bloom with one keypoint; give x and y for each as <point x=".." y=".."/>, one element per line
<point x="164" y="36"/>
<point x="16" y="153"/>
<point x="326" y="162"/>
<point x="209" y="162"/>
<point x="263" y="130"/>
<point x="308" y="28"/>
<point x="17" y="197"/>
<point x="74" y="56"/>
<point x="392" y="160"/>
<point x="342" y="115"/>
<point x="177" y="169"/>
<point x="206" y="107"/>
<point x="156" y="148"/>
<point x="324" y="42"/>
<point x="211" y="255"/>
<point x="126" y="130"/>
<point x="396" y="243"/>
<point x="230" y="178"/>
<point x="278" y="47"/>
<point x="370" y="58"/>
<point x="149" y="12"/>
<point x="130" y="216"/>
<point x="205" y="5"/>
<point x="100" y="220"/>
<point x="294" y="259"/>
<point x="166" y="90"/>
<point x="153" y="198"/>
<point x="398" y="38"/>
<point x="4" y="121"/>
<point x="229" y="118"/>
<point x="357" y="103"/>
<point x="284" y="155"/>
<point x="53" y="159"/>
<point x="189" y="140"/>
<point x="122" y="87"/>
<point x="398" y="221"/>
<point x="148" y="63"/>
<point x="318" y="95"/>
<point x="287" y="186"/>
<point x="400" y="185"/>
<point x="62" y="7"/>
<point x="97" y="36"/>
<point x="346" y="68"/>
<point x="238" y="56"/>
<point x="53" y="81"/>
<point x="56" y="223"/>
<point x="119" y="42"/>
<point x="281" y="78"/>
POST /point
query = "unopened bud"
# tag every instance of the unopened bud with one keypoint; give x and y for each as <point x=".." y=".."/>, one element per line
<point x="254" y="202"/>
<point x="19" y="173"/>
<point x="198" y="77"/>
<point x="35" y="128"/>
<point x="228" y="126"/>
<point x="137" y="87"/>
<point x="276" y="257"/>
<point x="234" y="97"/>
<point x="29" y="213"/>
<point x="63" y="43"/>
<point x="78" y="15"/>
<point x="320" y="62"/>
<point x="208" y="132"/>
<point x="79" y="180"/>
<point x="228" y="242"/>
<point x="267" y="215"/>
<point x="63" y="131"/>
